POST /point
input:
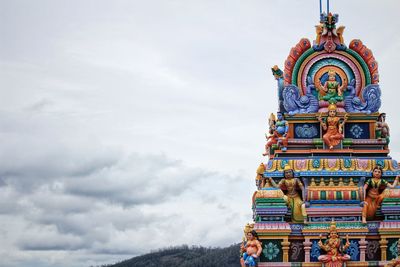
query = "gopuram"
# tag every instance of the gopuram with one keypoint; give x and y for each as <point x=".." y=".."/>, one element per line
<point x="327" y="192"/>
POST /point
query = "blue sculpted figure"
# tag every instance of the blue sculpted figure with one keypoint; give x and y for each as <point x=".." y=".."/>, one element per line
<point x="251" y="250"/>
<point x="290" y="97"/>
<point x="294" y="103"/>
<point x="314" y="104"/>
<point x="353" y="103"/>
<point x="278" y="75"/>
<point x="371" y="95"/>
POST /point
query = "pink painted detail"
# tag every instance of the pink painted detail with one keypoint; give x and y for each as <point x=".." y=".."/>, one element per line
<point x="369" y="141"/>
<point x="301" y="141"/>
<point x="323" y="106"/>
<point x="352" y="66"/>
<point x="272" y="226"/>
<point x="274" y="264"/>
<point x="389" y="225"/>
<point x="301" y="164"/>
<point x="326" y="110"/>
<point x="330" y="45"/>
<point x="362" y="163"/>
<point x="331" y="163"/>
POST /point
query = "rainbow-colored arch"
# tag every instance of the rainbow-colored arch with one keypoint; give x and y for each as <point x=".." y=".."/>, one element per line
<point x="356" y="62"/>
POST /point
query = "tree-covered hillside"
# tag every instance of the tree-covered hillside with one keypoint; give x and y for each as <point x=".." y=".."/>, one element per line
<point x="185" y="256"/>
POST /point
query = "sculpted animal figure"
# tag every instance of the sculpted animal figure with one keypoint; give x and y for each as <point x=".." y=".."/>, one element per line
<point x="371" y="95"/>
<point x="294" y="103"/>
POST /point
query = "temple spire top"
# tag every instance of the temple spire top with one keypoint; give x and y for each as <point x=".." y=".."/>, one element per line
<point x="320" y="7"/>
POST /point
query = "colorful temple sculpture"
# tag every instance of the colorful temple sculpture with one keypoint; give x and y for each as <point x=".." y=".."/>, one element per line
<point x="327" y="192"/>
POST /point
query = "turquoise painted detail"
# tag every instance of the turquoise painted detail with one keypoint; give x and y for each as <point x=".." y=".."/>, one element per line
<point x="393" y="249"/>
<point x="284" y="162"/>
<point x="353" y="53"/>
<point x="298" y="64"/>
<point x="380" y="162"/>
<point x="363" y="64"/>
<point x="331" y="62"/>
<point x="316" y="163"/>
<point x="347" y="163"/>
<point x="271" y="250"/>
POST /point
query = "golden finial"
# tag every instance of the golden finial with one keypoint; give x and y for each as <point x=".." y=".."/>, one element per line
<point x="313" y="182"/>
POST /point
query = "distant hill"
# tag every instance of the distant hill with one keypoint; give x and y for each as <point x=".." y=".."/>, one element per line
<point x="185" y="256"/>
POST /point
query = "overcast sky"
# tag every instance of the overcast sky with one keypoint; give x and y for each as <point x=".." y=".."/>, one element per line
<point x="128" y="126"/>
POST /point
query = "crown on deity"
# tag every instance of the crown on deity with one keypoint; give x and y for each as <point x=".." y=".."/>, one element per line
<point x="287" y="168"/>
<point x="248" y="228"/>
<point x="332" y="228"/>
<point x="332" y="107"/>
<point x="331" y="72"/>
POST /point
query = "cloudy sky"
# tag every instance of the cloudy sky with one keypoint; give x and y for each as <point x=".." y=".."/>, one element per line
<point x="128" y="126"/>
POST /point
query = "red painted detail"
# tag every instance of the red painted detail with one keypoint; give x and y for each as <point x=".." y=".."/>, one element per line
<point x="295" y="53"/>
<point x="346" y="195"/>
<point x="331" y="195"/>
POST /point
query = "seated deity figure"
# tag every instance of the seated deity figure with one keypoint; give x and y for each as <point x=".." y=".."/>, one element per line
<point x="374" y="193"/>
<point x="291" y="186"/>
<point x="333" y="127"/>
<point x="279" y="129"/>
<point x="251" y="249"/>
<point x="332" y="90"/>
<point x="382" y="128"/>
<point x="335" y="251"/>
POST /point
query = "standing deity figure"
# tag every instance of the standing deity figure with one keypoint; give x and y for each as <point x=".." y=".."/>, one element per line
<point x="260" y="180"/>
<point x="278" y="130"/>
<point x="333" y="127"/>
<point x="382" y="128"/>
<point x="291" y="186"/>
<point x="251" y="249"/>
<point x="374" y="191"/>
<point x="331" y="91"/>
<point x="335" y="251"/>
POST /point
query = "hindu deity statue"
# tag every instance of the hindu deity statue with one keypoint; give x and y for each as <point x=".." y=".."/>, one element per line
<point x="374" y="193"/>
<point x="331" y="91"/>
<point x="251" y="249"/>
<point x="335" y="250"/>
<point x="382" y="128"/>
<point x="278" y="130"/>
<point x="260" y="180"/>
<point x="291" y="186"/>
<point x="333" y="126"/>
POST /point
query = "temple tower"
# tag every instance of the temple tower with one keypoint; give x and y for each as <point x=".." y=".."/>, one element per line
<point x="327" y="192"/>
